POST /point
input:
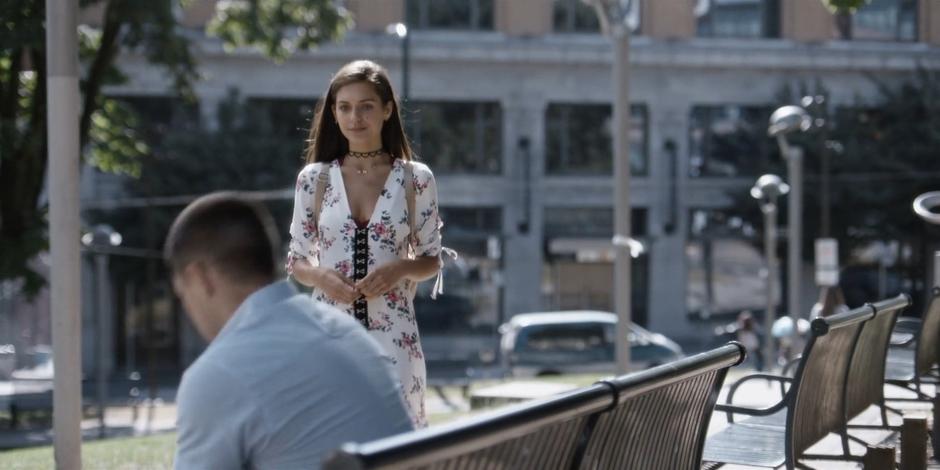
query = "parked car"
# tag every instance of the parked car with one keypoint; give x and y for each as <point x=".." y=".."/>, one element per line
<point x="576" y="342"/>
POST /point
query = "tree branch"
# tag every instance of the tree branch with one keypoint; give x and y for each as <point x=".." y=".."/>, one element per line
<point x="11" y="85"/>
<point x="104" y="58"/>
<point x="36" y="136"/>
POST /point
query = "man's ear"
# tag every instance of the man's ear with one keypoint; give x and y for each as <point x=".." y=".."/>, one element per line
<point x="198" y="272"/>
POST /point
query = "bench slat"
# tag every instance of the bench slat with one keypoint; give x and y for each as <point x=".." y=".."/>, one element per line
<point x="624" y="440"/>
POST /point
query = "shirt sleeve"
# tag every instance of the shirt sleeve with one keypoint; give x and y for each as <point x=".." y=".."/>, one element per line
<point x="213" y="417"/>
<point x="427" y="218"/>
<point x="304" y="241"/>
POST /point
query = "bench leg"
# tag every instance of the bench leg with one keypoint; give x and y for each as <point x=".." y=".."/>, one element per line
<point x="935" y="435"/>
<point x="879" y="458"/>
<point x="914" y="444"/>
<point x="845" y="442"/>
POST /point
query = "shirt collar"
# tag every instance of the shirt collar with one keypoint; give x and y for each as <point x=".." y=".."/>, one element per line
<point x="256" y="304"/>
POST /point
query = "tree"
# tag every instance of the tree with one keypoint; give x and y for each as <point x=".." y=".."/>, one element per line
<point x="146" y="27"/>
<point x="188" y="157"/>
<point x="882" y="156"/>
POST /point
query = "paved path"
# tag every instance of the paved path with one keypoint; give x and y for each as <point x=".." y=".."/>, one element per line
<point x="759" y="393"/>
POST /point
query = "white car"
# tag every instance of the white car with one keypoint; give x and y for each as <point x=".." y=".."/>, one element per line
<point x="576" y="342"/>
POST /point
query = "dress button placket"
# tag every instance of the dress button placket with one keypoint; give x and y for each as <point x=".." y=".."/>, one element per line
<point x="360" y="268"/>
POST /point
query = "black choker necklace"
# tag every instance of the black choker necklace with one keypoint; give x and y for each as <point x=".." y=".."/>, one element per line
<point x="367" y="155"/>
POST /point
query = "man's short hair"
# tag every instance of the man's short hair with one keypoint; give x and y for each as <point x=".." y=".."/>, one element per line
<point x="226" y="230"/>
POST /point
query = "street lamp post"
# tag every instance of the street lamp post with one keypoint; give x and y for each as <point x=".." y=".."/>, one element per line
<point x="65" y="278"/>
<point x="98" y="241"/>
<point x="927" y="207"/>
<point x="784" y="121"/>
<point x="766" y="190"/>
<point x="401" y="30"/>
<point x="617" y="18"/>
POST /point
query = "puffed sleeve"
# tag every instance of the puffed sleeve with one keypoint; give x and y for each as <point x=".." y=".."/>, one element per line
<point x="427" y="216"/>
<point x="304" y="243"/>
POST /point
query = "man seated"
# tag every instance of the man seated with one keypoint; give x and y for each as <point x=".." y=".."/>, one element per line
<point x="284" y="379"/>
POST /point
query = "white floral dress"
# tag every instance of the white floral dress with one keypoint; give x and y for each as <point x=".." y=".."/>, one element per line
<point x="332" y="244"/>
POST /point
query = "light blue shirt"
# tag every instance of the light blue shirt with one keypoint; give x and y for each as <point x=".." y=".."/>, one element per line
<point x="286" y="381"/>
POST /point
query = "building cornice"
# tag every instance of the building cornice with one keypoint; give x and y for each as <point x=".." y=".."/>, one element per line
<point x="594" y="50"/>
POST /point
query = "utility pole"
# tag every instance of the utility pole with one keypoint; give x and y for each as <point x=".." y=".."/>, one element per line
<point x="615" y="17"/>
<point x="65" y="281"/>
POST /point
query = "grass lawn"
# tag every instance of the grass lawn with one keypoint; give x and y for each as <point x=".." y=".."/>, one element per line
<point x="150" y="452"/>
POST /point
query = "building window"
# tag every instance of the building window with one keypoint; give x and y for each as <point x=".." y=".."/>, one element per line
<point x="159" y="114"/>
<point x="579" y="271"/>
<point x="738" y="18"/>
<point x="458" y="137"/>
<point x="574" y="16"/>
<point x="729" y="141"/>
<point x="285" y="123"/>
<point x="579" y="142"/>
<point x="886" y="20"/>
<point x="474" y="15"/>
<point x="286" y="117"/>
<point x="471" y="298"/>
<point x="589" y="222"/>
<point x="726" y="272"/>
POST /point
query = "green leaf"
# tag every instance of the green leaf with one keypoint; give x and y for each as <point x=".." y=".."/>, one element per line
<point x="278" y="28"/>
<point x="116" y="145"/>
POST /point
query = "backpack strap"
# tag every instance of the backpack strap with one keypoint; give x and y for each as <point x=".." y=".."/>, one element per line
<point x="410" y="200"/>
<point x="323" y="179"/>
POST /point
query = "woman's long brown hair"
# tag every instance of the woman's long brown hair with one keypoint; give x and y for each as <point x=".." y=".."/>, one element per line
<point x="327" y="143"/>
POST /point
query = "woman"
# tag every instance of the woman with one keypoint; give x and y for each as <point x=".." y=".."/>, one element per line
<point x="354" y="252"/>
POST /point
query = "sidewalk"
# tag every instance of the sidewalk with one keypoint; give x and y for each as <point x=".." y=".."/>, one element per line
<point x="762" y="393"/>
<point x="121" y="420"/>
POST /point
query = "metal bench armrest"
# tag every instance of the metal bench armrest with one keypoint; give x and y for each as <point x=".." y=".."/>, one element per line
<point x="731" y="409"/>
<point x="729" y="400"/>
<point x="734" y="387"/>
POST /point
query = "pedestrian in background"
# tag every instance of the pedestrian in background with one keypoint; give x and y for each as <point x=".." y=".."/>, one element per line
<point x="366" y="226"/>
<point x="750" y="338"/>
<point x="284" y="380"/>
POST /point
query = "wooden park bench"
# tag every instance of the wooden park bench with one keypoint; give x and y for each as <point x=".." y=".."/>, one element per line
<point x="864" y="386"/>
<point x="829" y="388"/>
<point x="913" y="365"/>
<point x="655" y="419"/>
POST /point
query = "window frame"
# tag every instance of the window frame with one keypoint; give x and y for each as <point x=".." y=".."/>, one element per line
<point x="418" y="15"/>
<point x="901" y="6"/>
<point x="768" y="20"/>
<point x="489" y="161"/>
<point x="560" y="126"/>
